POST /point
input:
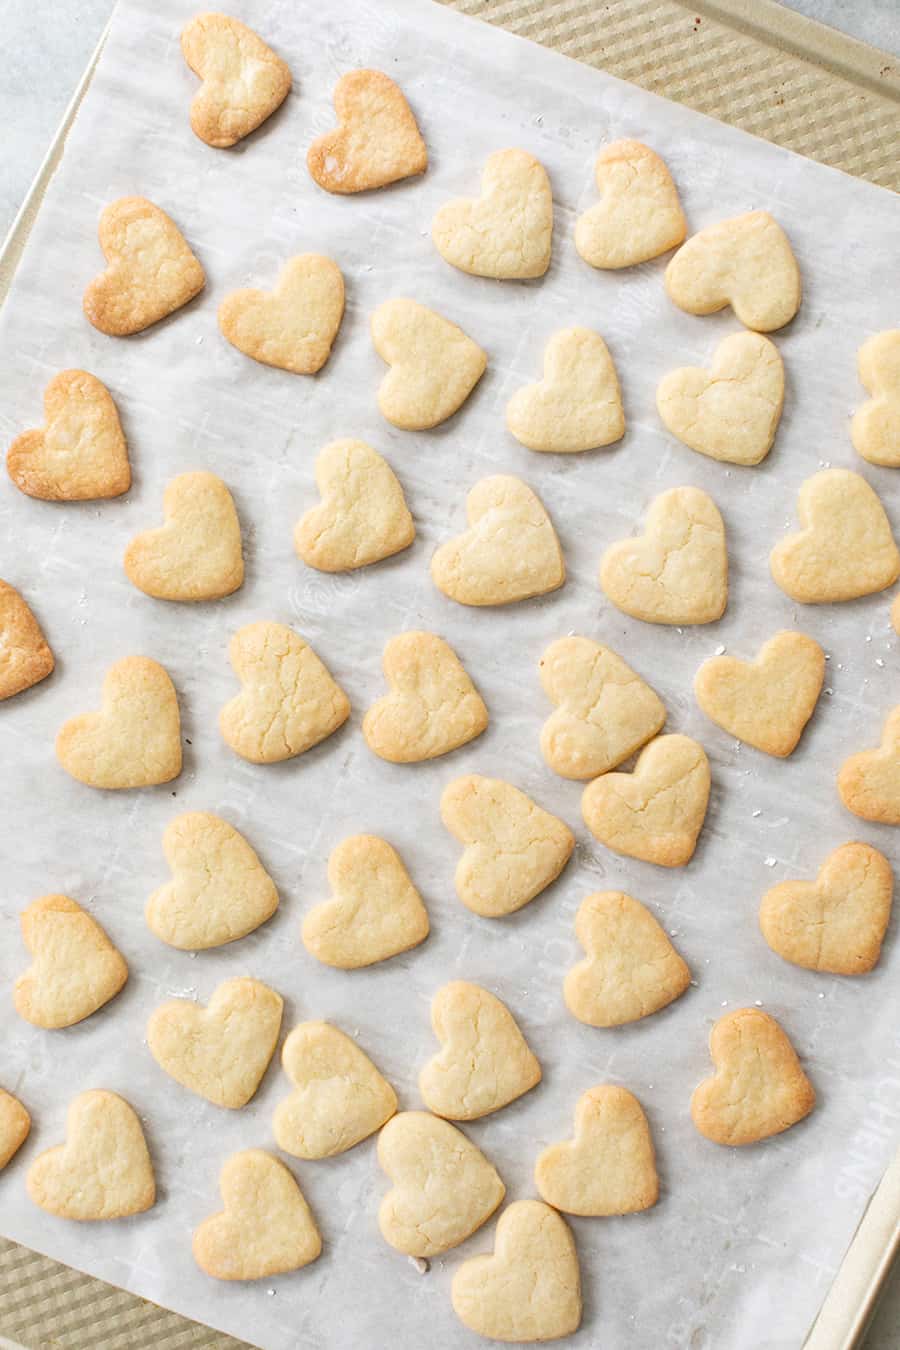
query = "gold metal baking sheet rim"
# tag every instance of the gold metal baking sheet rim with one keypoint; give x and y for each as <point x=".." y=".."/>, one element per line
<point x="768" y="71"/>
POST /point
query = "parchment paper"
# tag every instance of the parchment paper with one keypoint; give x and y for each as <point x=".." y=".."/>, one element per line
<point x="743" y="1243"/>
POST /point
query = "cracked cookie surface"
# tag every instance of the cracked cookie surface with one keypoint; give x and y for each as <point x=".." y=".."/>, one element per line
<point x="80" y="453"/>
<point x="513" y="848"/>
<point x="339" y="1096"/>
<point x="103" y="1170"/>
<point x="375" y="911"/>
<point x="656" y="812"/>
<point x="293" y="326"/>
<point x="505" y="233"/>
<point x="152" y="271"/>
<point x="630" y="970"/>
<point x="610" y="1165"/>
<point x="759" y="1088"/>
<point x="577" y="404"/>
<point x="604" y="711"/>
<point x="76" y="969"/>
<point x="845" y="549"/>
<point x="745" y="262"/>
<point x="510" y="551"/>
<point x="432" y="708"/>
<point x="444" y="1187"/>
<point x="434" y="365"/>
<point x="639" y="215"/>
<point x="222" y="1051"/>
<point x="196" y="554"/>
<point x="243" y="80"/>
<point x="836" y="923"/>
<point x="363" y="516"/>
<point x="677" y="571"/>
<point x="485" y="1062"/>
<point x="25" y="655"/>
<point x="529" y="1288"/>
<point x="731" y="411"/>
<point x="768" y="701"/>
<point x="219" y="890"/>
<point x="288" y="702"/>
<point x="135" y="739"/>
<point x="266" y="1227"/>
<point x="377" y="141"/>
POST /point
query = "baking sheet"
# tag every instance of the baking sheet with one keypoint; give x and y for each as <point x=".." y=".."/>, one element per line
<point x="736" y="1230"/>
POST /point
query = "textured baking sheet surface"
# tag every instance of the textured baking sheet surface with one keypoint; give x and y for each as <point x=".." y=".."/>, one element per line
<point x="707" y="1265"/>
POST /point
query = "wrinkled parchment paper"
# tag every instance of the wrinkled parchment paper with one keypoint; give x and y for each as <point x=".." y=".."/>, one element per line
<point x="740" y="1249"/>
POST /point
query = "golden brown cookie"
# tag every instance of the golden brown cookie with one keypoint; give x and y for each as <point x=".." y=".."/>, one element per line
<point x="15" y="1125"/>
<point x="656" y="812"/>
<point x="869" y="782"/>
<point x="196" y="554"/>
<point x="432" y="707"/>
<point x="758" y="1089"/>
<point x="135" y="738"/>
<point x="836" y="923"/>
<point x="293" y="326"/>
<point x="610" y="1166"/>
<point x="76" y="969"/>
<point x="631" y="968"/>
<point x="80" y="454"/>
<point x="376" y="142"/>
<point x="25" y="657"/>
<point x="766" y="702"/>
<point x="243" y="80"/>
<point x="151" y="273"/>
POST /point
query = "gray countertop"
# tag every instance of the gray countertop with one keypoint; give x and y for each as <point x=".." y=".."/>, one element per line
<point x="46" y="49"/>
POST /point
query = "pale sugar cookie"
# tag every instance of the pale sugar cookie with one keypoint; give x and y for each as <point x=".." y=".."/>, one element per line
<point x="577" y="405"/>
<point x="363" y="516"/>
<point x="103" y="1170"/>
<point x="135" y="738"/>
<point x="434" y="366"/>
<point x="80" y="453"/>
<point x="745" y="262"/>
<point x="432" y="707"/>
<point x="610" y="1166"/>
<point x="76" y="969"/>
<point x="196" y="554"/>
<point x="243" y="80"/>
<point x="506" y="232"/>
<point x="639" y="215"/>
<point x="768" y="701"/>
<point x="293" y="326"/>
<point x="266" y="1227"/>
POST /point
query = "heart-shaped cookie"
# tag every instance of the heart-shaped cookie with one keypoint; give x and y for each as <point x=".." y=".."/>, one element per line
<point x="610" y="1166"/>
<point x="80" y="453"/>
<point x="631" y="969"/>
<point x="656" y="812"/>
<point x="845" y="549"/>
<point x="196" y="554"/>
<point x="677" y="571"/>
<point x="363" y="516"/>
<point x="444" y="1187"/>
<point x="529" y="1289"/>
<point x="434" y="365"/>
<point x="433" y="707"/>
<point x="577" y="405"/>
<point x="266" y="1227"/>
<point x="604" y="711"/>
<point x="745" y="262"/>
<point x="869" y="782"/>
<point x="510" y="551"/>
<point x="76" y="969"/>
<point x="485" y="1062"/>
<point x="243" y="80"/>
<point x="294" y="326"/>
<point x="219" y="890"/>
<point x="505" y="233"/>
<point x="766" y="702"/>
<point x="151" y="273"/>
<point x="731" y="411"/>
<point x="222" y="1051"/>
<point x="25" y="657"/>
<point x="289" y="701"/>
<point x="375" y="911"/>
<point x="758" y="1089"/>
<point x="639" y="216"/>
<point x="103" y="1170"/>
<point x="377" y="141"/>
<point x="135" y="738"/>
<point x="875" y="428"/>
<point x="836" y="923"/>
<point x="339" y="1096"/>
<point x="513" y="848"/>
<point x="15" y="1125"/>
